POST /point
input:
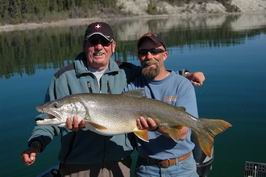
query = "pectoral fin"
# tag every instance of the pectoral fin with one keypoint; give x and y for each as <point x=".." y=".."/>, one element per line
<point x="96" y="126"/>
<point x="142" y="134"/>
<point x="174" y="132"/>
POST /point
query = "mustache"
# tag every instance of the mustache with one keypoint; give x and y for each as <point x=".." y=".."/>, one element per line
<point x="149" y="62"/>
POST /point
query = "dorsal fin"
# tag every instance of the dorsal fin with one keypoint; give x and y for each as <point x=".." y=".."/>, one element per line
<point x="135" y="93"/>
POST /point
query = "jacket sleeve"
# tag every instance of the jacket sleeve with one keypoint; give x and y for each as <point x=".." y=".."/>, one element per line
<point x="43" y="135"/>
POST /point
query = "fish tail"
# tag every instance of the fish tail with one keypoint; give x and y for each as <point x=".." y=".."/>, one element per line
<point x="206" y="132"/>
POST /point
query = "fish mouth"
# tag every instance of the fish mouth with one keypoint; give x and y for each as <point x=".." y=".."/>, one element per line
<point x="51" y="114"/>
<point x="53" y="118"/>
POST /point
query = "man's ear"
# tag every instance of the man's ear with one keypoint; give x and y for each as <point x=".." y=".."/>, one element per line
<point x="165" y="55"/>
<point x="113" y="46"/>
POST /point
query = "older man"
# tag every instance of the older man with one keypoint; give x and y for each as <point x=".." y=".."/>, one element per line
<point x="84" y="152"/>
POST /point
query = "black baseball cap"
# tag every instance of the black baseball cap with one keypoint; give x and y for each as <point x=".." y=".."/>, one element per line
<point x="150" y="40"/>
<point x="99" y="28"/>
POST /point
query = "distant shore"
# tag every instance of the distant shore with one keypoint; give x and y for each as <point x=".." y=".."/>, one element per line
<point x="30" y="26"/>
<point x="68" y="22"/>
<point x="84" y="21"/>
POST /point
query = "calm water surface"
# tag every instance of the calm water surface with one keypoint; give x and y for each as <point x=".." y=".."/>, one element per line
<point x="230" y="50"/>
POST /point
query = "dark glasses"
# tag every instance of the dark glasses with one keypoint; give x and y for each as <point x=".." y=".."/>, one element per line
<point x="151" y="51"/>
<point x="99" y="40"/>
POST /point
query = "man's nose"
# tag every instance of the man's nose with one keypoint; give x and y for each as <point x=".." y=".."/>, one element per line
<point x="98" y="46"/>
<point x="149" y="55"/>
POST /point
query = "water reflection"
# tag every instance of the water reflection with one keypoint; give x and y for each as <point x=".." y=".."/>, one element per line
<point x="23" y="52"/>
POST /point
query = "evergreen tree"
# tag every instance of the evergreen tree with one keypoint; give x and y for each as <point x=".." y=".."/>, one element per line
<point x="4" y="9"/>
<point x="14" y="9"/>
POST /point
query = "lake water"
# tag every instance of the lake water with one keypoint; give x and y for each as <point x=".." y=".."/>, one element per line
<point x="230" y="50"/>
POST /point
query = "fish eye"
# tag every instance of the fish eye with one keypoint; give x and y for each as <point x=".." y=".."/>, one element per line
<point x="56" y="105"/>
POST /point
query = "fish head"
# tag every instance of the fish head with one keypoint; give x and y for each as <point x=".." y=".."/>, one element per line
<point x="63" y="108"/>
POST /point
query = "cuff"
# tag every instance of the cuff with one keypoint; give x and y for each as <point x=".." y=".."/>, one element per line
<point x="36" y="145"/>
<point x="184" y="72"/>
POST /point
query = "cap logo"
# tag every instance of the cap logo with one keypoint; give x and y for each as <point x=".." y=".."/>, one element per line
<point x="98" y="26"/>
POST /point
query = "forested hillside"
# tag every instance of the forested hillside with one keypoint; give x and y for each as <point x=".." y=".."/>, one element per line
<point x="17" y="11"/>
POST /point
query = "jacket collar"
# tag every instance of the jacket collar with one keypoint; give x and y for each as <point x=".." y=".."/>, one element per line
<point x="80" y="65"/>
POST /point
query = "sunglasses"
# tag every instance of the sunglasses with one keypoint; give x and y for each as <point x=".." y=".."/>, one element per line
<point x="99" y="40"/>
<point x="153" y="51"/>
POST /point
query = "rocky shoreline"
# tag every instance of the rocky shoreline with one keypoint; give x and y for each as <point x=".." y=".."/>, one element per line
<point x="143" y="7"/>
<point x="139" y="9"/>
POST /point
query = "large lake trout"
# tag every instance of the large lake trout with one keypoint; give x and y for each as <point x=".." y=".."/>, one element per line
<point x="111" y="114"/>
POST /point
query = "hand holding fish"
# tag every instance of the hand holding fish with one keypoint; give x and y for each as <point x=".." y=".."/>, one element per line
<point x="151" y="125"/>
<point x="75" y="123"/>
<point x="146" y="124"/>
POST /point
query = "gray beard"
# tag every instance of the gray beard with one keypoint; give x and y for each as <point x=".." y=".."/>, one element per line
<point x="150" y="73"/>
